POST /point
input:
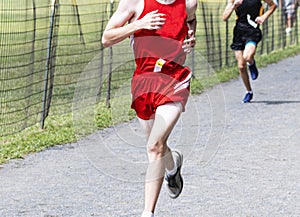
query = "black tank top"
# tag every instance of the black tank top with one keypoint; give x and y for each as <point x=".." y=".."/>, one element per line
<point x="249" y="9"/>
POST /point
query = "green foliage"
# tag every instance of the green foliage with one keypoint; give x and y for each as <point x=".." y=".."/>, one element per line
<point x="58" y="130"/>
<point x="196" y="86"/>
<point x="277" y="55"/>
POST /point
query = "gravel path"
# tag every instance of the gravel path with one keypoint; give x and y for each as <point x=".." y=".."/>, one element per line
<point x="241" y="160"/>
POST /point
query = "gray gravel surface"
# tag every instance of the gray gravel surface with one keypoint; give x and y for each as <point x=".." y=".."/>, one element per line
<point x="239" y="160"/>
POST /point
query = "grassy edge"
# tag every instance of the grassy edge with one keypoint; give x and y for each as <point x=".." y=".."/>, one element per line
<point x="59" y="129"/>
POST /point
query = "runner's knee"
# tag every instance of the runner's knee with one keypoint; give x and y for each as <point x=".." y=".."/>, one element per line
<point x="241" y="65"/>
<point x="248" y="58"/>
<point x="156" y="149"/>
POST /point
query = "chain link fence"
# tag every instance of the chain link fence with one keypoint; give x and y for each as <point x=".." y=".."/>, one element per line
<point x="46" y="44"/>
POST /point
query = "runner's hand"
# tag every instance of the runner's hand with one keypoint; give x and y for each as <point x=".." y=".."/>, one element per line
<point x="259" y="20"/>
<point x="151" y="21"/>
<point x="189" y="43"/>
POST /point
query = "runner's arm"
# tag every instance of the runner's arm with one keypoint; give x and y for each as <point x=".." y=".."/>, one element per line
<point x="191" y="10"/>
<point x="271" y="8"/>
<point x="230" y="7"/>
<point x="116" y="30"/>
<point x="191" y="7"/>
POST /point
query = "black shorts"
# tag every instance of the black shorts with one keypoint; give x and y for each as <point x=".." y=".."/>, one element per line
<point x="242" y="34"/>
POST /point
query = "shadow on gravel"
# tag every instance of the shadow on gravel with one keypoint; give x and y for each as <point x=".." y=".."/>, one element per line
<point x="277" y="102"/>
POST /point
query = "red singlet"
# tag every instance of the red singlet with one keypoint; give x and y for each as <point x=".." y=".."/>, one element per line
<point x="159" y="77"/>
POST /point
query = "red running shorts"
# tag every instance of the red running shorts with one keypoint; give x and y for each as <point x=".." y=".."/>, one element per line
<point x="152" y="89"/>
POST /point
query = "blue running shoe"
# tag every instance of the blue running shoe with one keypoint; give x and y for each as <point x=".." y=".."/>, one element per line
<point x="253" y="71"/>
<point x="248" y="97"/>
<point x="174" y="183"/>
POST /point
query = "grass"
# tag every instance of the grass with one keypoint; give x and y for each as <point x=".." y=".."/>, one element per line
<point x="60" y="129"/>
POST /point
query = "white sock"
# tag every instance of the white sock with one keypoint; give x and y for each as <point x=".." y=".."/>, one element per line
<point x="172" y="171"/>
<point x="251" y="64"/>
<point x="147" y="214"/>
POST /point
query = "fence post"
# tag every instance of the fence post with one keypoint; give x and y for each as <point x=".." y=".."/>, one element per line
<point x="219" y="42"/>
<point x="206" y="33"/>
<point x="273" y="34"/>
<point x="76" y="12"/>
<point x="267" y="33"/>
<point x="32" y="64"/>
<point x="110" y="58"/>
<point x="282" y="15"/>
<point x="101" y="59"/>
<point x="296" y="39"/>
<point x="227" y="44"/>
<point x="34" y="33"/>
<point x="49" y="63"/>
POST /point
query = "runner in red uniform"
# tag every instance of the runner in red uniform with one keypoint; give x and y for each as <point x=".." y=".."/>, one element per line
<point x="161" y="33"/>
<point x="159" y="58"/>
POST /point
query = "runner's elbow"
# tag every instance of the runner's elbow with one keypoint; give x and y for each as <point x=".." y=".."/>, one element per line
<point x="105" y="42"/>
<point x="225" y="18"/>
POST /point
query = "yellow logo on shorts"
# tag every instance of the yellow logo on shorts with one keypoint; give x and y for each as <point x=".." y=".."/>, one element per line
<point x="158" y="65"/>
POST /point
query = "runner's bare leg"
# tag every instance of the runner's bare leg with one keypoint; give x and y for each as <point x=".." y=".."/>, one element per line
<point x="243" y="69"/>
<point x="157" y="132"/>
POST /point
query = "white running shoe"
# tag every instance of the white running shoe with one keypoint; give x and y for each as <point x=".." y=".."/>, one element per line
<point x="174" y="183"/>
